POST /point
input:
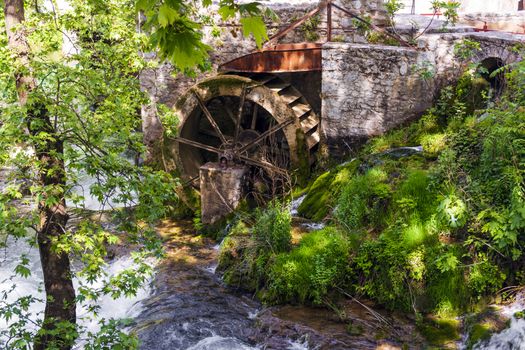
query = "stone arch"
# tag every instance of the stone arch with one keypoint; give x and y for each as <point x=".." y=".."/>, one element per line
<point x="495" y="54"/>
<point x="496" y="49"/>
<point x="490" y="65"/>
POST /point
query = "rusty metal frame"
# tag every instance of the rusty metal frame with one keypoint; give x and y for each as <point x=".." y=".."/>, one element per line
<point x="300" y="57"/>
<point x="329" y="5"/>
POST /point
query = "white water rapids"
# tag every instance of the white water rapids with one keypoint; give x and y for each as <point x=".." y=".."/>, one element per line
<point x="110" y="308"/>
<point x="511" y="338"/>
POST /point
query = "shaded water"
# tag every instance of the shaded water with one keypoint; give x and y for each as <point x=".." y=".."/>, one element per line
<point x="191" y="308"/>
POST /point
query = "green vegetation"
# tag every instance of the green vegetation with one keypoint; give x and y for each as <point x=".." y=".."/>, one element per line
<point x="70" y="103"/>
<point x="322" y="192"/>
<point x="434" y="233"/>
<point x="307" y="273"/>
<point x="310" y="28"/>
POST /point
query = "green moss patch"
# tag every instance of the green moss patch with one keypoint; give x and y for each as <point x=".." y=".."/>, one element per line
<point x="440" y="332"/>
<point x="324" y="189"/>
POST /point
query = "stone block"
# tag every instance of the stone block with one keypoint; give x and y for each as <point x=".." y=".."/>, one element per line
<point x="222" y="189"/>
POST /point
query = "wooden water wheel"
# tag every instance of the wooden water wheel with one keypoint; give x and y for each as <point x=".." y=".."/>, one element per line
<point x="260" y="121"/>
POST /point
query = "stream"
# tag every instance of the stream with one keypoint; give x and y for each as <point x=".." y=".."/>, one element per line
<point x="187" y="306"/>
<point x="191" y="308"/>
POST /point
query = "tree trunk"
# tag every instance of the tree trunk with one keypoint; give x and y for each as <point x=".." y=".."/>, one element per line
<point x="60" y="295"/>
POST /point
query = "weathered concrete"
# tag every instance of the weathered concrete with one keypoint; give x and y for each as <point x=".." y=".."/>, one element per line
<point x="222" y="189"/>
<point x="466" y="6"/>
<point x="510" y="22"/>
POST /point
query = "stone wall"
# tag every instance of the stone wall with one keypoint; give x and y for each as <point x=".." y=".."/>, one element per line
<point x="370" y="89"/>
<point x="509" y="22"/>
<point x="163" y="87"/>
<point x="367" y="90"/>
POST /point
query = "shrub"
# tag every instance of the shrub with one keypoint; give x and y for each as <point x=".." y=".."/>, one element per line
<point x="382" y="267"/>
<point x="484" y="277"/>
<point x="307" y="273"/>
<point x="272" y="228"/>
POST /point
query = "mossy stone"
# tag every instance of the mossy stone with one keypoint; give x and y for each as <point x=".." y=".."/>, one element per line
<point x="440" y="331"/>
<point x="324" y="189"/>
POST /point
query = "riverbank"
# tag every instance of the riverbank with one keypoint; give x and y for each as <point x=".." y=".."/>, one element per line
<point x="192" y="308"/>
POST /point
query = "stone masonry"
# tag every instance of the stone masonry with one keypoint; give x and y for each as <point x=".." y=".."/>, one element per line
<point x="366" y="89"/>
<point x="222" y="190"/>
<point x="370" y="89"/>
<point x="165" y="88"/>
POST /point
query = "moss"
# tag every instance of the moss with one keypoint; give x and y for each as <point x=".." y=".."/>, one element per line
<point x="440" y="331"/>
<point x="433" y="144"/>
<point x="325" y="189"/>
<point x="237" y="258"/>
<point x="314" y="206"/>
<point x="354" y="329"/>
<point x="479" y="332"/>
<point x="223" y="81"/>
<point x="520" y="314"/>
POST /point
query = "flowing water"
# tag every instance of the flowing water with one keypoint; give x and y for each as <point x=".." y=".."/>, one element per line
<point x="513" y="337"/>
<point x="123" y="307"/>
<point x="187" y="306"/>
<point x="191" y="308"/>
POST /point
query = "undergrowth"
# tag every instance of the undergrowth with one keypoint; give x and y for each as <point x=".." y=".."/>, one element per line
<point x="434" y="232"/>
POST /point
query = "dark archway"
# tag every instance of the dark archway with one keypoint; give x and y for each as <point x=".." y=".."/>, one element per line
<point x="490" y="70"/>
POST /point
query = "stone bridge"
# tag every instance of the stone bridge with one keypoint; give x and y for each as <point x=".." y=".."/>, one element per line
<point x="367" y="90"/>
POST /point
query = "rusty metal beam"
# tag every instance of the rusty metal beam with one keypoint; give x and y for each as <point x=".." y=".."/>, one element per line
<point x="264" y="135"/>
<point x="329" y="20"/>
<point x="273" y="39"/>
<point x="266" y="165"/>
<point x="198" y="145"/>
<point x="302" y="57"/>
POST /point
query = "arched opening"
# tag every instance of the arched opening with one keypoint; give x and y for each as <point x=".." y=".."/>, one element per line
<point x="490" y="70"/>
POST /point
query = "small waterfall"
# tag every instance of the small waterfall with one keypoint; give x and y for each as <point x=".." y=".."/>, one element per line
<point x="294" y="211"/>
<point x="511" y="338"/>
<point x="295" y="204"/>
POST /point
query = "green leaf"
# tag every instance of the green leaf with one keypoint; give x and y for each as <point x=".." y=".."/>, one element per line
<point x="144" y="5"/>
<point x="255" y="26"/>
<point x="167" y="15"/>
<point x="227" y="12"/>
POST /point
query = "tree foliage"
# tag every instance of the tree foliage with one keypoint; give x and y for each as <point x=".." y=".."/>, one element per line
<point x="85" y="60"/>
<point x="176" y="27"/>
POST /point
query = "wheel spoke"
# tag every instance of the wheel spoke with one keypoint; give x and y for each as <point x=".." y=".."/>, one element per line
<point x="254" y="116"/>
<point x="265" y="134"/>
<point x="239" y="115"/>
<point x="228" y="110"/>
<point x="209" y="117"/>
<point x="265" y="165"/>
<point x="212" y="134"/>
<point x="198" y="145"/>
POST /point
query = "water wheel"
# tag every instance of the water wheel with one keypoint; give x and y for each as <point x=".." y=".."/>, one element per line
<point x="260" y="121"/>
